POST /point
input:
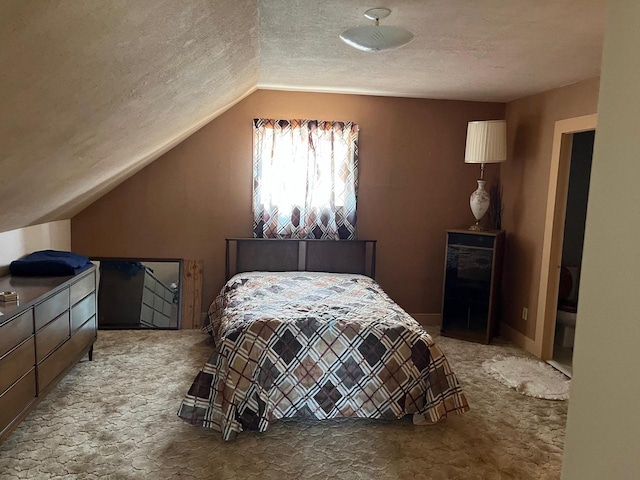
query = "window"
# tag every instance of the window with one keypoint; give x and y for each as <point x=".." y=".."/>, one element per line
<point x="305" y="179"/>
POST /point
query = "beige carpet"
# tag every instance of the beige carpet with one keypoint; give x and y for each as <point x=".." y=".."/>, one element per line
<point x="116" y="418"/>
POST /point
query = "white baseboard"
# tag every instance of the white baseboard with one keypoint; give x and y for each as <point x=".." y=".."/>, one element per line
<point x="428" y="319"/>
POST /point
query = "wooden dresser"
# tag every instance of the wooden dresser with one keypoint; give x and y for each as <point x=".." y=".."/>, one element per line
<point x="41" y="338"/>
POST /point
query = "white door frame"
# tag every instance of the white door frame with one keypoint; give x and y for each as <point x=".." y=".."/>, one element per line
<point x="554" y="230"/>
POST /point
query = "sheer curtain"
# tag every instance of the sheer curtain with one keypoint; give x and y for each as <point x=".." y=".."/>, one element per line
<point x="305" y="179"/>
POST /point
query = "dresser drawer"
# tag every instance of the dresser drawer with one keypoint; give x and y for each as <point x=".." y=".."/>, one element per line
<point x="16" y="331"/>
<point x="147" y="297"/>
<point x="51" y="308"/>
<point x="83" y="311"/>
<point x="64" y="356"/>
<point x="82" y="288"/>
<point x="160" y="320"/>
<point x="471" y="240"/>
<point x="146" y="314"/>
<point x="17" y="398"/>
<point x="160" y="289"/>
<point x="149" y="282"/>
<point x="52" y="335"/>
<point x="168" y="295"/>
<point x="16" y="363"/>
<point x="158" y="303"/>
<point x="166" y="309"/>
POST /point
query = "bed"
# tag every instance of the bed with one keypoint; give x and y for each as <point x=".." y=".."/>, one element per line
<point x="304" y="331"/>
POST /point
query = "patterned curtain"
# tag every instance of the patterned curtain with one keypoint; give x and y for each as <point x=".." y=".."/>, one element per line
<point x="305" y="179"/>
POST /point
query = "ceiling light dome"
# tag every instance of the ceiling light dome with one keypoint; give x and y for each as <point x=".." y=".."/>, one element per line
<point x="374" y="38"/>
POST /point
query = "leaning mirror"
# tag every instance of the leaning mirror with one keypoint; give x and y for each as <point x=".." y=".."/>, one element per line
<point x="135" y="293"/>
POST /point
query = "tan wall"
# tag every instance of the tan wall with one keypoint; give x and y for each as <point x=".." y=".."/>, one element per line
<point x="413" y="185"/>
<point x="525" y="178"/>
<point x="22" y="241"/>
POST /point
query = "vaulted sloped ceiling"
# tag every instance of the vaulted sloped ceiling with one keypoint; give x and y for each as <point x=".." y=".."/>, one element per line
<point x="91" y="91"/>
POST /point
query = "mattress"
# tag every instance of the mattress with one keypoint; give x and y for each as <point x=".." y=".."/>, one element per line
<point x="320" y="346"/>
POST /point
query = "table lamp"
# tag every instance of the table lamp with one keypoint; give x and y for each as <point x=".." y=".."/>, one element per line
<point x="486" y="143"/>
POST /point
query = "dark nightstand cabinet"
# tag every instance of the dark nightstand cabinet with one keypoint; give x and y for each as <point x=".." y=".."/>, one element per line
<point x="472" y="278"/>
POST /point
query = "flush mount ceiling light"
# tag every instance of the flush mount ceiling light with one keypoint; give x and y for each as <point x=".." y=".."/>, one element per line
<point x="374" y="38"/>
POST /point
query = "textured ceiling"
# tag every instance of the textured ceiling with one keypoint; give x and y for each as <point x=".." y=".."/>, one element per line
<point x="493" y="50"/>
<point x="92" y="91"/>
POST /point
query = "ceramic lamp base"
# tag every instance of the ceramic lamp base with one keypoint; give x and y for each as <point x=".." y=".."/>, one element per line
<point x="479" y="203"/>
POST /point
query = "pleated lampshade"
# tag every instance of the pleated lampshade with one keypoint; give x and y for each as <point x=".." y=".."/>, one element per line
<point x="486" y="142"/>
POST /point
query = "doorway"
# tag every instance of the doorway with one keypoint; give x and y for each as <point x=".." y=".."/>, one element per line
<point x="572" y="245"/>
<point x="554" y="229"/>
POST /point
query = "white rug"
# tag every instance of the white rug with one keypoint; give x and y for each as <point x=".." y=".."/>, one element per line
<point x="529" y="377"/>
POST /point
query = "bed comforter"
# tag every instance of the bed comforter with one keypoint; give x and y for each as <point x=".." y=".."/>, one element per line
<point x="316" y="345"/>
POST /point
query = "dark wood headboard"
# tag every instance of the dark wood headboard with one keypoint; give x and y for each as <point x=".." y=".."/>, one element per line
<point x="307" y="255"/>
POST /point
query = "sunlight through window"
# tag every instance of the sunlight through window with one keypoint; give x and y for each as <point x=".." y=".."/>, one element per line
<point x="305" y="177"/>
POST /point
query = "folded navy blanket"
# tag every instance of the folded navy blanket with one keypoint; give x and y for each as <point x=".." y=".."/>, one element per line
<point x="49" y="263"/>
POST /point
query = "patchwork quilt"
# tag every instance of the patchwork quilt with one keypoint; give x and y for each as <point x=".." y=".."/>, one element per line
<point x="316" y="345"/>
